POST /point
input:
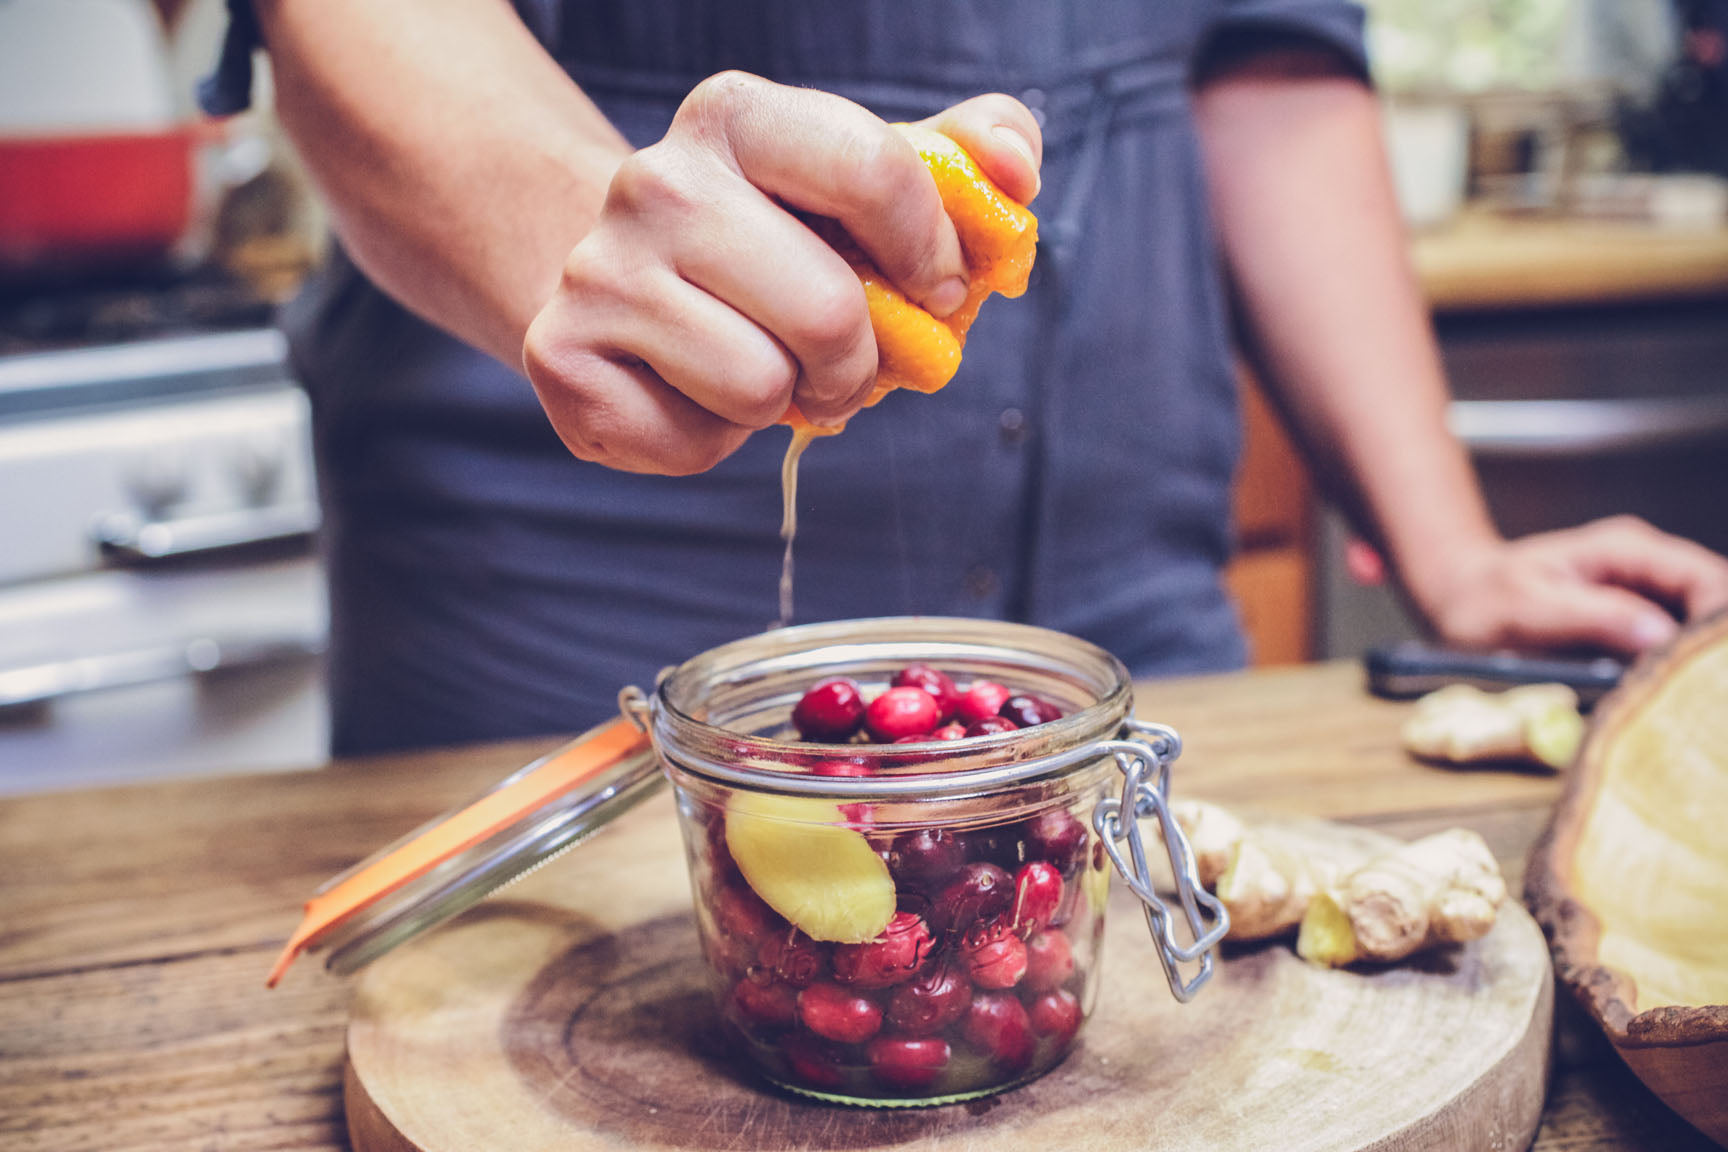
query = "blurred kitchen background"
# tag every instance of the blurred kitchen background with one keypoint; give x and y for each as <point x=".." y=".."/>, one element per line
<point x="1562" y="164"/>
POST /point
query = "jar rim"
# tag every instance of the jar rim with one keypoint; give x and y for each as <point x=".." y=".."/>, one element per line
<point x="687" y="740"/>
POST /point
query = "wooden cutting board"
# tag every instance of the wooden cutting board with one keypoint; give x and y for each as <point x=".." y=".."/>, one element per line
<point x="570" y="1013"/>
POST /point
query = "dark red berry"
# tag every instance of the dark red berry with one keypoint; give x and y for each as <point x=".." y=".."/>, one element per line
<point x="1057" y="1015"/>
<point x="936" y="683"/>
<point x="1057" y="836"/>
<point x="1029" y="711"/>
<point x="983" y="698"/>
<point x="894" y="956"/>
<point x="994" y="956"/>
<point x="931" y="1000"/>
<point x="954" y="730"/>
<point x="978" y="893"/>
<point x="1037" y="895"/>
<point x="925" y="856"/>
<point x="839" y="1014"/>
<point x="914" y="739"/>
<point x="741" y="914"/>
<point x="768" y="1004"/>
<point x="907" y="1062"/>
<point x="991" y="726"/>
<point x="844" y="766"/>
<point x="793" y="958"/>
<point x="997" y="1026"/>
<point x="901" y="712"/>
<point x="830" y="711"/>
<point x="1049" y="961"/>
<point x="814" y="1062"/>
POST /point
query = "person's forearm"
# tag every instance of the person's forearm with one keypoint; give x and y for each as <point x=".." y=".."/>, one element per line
<point x="461" y="165"/>
<point x="1318" y="258"/>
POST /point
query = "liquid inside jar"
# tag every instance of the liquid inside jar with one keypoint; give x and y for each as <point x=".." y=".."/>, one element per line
<point x="900" y="950"/>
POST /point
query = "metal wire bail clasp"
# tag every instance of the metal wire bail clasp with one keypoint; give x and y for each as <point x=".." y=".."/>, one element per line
<point x="1144" y="759"/>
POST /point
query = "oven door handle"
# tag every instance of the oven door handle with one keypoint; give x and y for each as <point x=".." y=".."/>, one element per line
<point x="35" y="684"/>
<point x="1582" y="429"/>
<point x="129" y="539"/>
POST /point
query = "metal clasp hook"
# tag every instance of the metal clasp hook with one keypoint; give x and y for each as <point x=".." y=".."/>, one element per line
<point x="1144" y="760"/>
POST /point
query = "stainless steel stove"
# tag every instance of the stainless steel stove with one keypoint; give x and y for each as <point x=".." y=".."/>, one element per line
<point x="161" y="605"/>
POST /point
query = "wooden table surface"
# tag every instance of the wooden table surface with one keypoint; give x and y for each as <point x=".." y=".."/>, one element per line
<point x="136" y="924"/>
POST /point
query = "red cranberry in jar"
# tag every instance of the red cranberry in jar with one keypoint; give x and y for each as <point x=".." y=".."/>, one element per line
<point x="925" y="856"/>
<point x="740" y="914"/>
<point x="838" y="1014"/>
<point x="793" y="958"/>
<point x="978" y="893"/>
<point x="901" y="712"/>
<point x="994" y="956"/>
<point x="932" y="681"/>
<point x="981" y="699"/>
<point x="997" y="1026"/>
<point x="1057" y="1015"/>
<point x="813" y="1061"/>
<point x="841" y="766"/>
<point x="892" y="957"/>
<point x="1057" y="836"/>
<point x="830" y="712"/>
<point x="907" y="1062"/>
<point x="1029" y="711"/>
<point x="764" y="1003"/>
<point x="1037" y="895"/>
<point x="991" y="726"/>
<point x="953" y="730"/>
<point x="1049" y="961"/>
<point x="931" y="1000"/>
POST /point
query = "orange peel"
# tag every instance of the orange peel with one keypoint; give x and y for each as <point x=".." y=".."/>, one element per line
<point x="999" y="240"/>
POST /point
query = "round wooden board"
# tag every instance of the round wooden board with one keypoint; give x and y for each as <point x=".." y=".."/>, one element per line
<point x="570" y="1013"/>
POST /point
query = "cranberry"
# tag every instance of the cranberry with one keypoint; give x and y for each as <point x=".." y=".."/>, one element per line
<point x="924" y="856"/>
<point x="936" y="683"/>
<point x="954" y="730"/>
<point x="996" y="1025"/>
<point x="837" y="1013"/>
<point x="998" y="845"/>
<point x="1057" y="836"/>
<point x="772" y="1005"/>
<point x="1056" y="1014"/>
<point x="851" y="766"/>
<point x="907" y="1062"/>
<point x="931" y="1000"/>
<point x="830" y="711"/>
<point x="991" y="726"/>
<point x="892" y="957"/>
<point x="814" y="1062"/>
<point x="1037" y="895"/>
<point x="983" y="698"/>
<point x="979" y="892"/>
<point x="1049" y="961"/>
<point x="742" y="915"/>
<point x="994" y="956"/>
<point x="1029" y="711"/>
<point x="793" y="958"/>
<point x="901" y="712"/>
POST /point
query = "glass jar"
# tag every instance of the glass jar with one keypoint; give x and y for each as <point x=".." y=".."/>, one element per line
<point x="928" y="930"/>
<point x="925" y="930"/>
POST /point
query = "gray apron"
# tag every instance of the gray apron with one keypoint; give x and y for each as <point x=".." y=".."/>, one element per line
<point x="1075" y="474"/>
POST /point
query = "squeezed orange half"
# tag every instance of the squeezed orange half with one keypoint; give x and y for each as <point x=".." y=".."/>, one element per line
<point x="998" y="237"/>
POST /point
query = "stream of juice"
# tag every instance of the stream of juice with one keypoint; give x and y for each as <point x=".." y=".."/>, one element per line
<point x="789" y="519"/>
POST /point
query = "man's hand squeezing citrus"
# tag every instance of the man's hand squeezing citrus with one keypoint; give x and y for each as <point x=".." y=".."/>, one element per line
<point x="732" y="278"/>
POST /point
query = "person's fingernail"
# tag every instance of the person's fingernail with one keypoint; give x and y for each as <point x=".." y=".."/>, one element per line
<point x="1023" y="146"/>
<point x="1653" y="629"/>
<point x="948" y="296"/>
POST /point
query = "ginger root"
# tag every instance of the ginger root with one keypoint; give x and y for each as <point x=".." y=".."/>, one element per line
<point x="1442" y="889"/>
<point x="1345" y="903"/>
<point x="1460" y="724"/>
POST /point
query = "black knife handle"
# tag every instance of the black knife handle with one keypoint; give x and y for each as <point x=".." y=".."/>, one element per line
<point x="1402" y="671"/>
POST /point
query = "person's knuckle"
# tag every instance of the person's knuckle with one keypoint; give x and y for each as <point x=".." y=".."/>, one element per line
<point x="833" y="317"/>
<point x="721" y="96"/>
<point x="650" y="181"/>
<point x="763" y="387"/>
<point x="877" y="168"/>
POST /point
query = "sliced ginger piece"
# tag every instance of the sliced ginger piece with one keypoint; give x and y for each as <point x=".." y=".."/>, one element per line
<point x="1461" y="724"/>
<point x="999" y="239"/>
<point x="796" y="853"/>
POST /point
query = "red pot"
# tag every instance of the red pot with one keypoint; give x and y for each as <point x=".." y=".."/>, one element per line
<point x="95" y="200"/>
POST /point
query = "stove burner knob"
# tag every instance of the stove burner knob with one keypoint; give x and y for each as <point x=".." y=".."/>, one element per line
<point x="157" y="483"/>
<point x="257" y="467"/>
